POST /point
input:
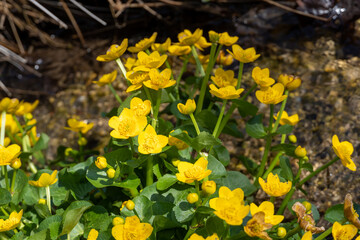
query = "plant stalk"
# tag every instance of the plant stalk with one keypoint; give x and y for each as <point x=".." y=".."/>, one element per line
<point x="215" y="133"/>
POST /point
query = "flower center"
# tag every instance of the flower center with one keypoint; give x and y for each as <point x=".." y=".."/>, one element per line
<point x="193" y="172"/>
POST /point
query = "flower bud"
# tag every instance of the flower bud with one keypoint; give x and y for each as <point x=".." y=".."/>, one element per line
<point x="188" y="108"/>
<point x="292" y="138"/>
<point x="42" y="201"/>
<point x="175" y="162"/>
<point x="306" y="159"/>
<point x="208" y="187"/>
<point x="101" y="162"/>
<point x="117" y="221"/>
<point x="281" y="232"/>
<point x="300" y="152"/>
<point x="82" y="141"/>
<point x="110" y="173"/>
<point x="68" y="151"/>
<point x="307" y="205"/>
<point x="28" y="116"/>
<point x="130" y="205"/>
<point x="192" y="198"/>
<point x="214" y="36"/>
<point x="290" y="82"/>
<point x="16" y="163"/>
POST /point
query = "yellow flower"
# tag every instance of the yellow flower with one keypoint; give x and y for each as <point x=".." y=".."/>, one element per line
<point x="140" y="107"/>
<point x="271" y="95"/>
<point x="10" y="124"/>
<point x="143" y="44"/>
<point x="9" y="105"/>
<point x="130" y="63"/>
<point x="286" y="119"/>
<point x="307" y="236"/>
<point x="228" y="92"/>
<point x="188" y="38"/>
<point x="16" y="163"/>
<point x="268" y="209"/>
<point x="300" y="151"/>
<point x="208" y="188"/>
<point x="147" y="62"/>
<point x="343" y="232"/>
<point x="202" y="43"/>
<point x="8" y="154"/>
<point x="26" y="107"/>
<point x="344" y="150"/>
<point x="161" y="48"/>
<point x="192" y="198"/>
<point x="256" y="226"/>
<point x="133" y="229"/>
<point x="101" y="162"/>
<point x="177" y="50"/>
<point x="118" y="221"/>
<point x="12" y="222"/>
<point x="226" y="40"/>
<point x="350" y="212"/>
<point x="115" y="51"/>
<point x="229" y="206"/>
<point x="214" y="36"/>
<point x="306" y="220"/>
<point x="128" y="124"/>
<point x="106" y="79"/>
<point x="224" y="60"/>
<point x="159" y="80"/>
<point x="136" y="79"/>
<point x="189" y="107"/>
<point x="189" y="172"/>
<point x="224" y="78"/>
<point x="179" y="144"/>
<point x="244" y="56"/>
<point x="273" y="186"/>
<point x="45" y="180"/>
<point x="262" y="77"/>
<point x="150" y="142"/>
<point x="194" y="236"/>
<point x="289" y="81"/>
<point x="79" y="126"/>
<point x="93" y="235"/>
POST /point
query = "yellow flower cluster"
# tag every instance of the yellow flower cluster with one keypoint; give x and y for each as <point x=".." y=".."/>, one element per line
<point x="133" y="229"/>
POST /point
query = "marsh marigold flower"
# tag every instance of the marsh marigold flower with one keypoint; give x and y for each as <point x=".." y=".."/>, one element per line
<point x="179" y="144"/>
<point x="224" y="78"/>
<point x="140" y="107"/>
<point x="350" y="212"/>
<point x="256" y="226"/>
<point x="147" y="62"/>
<point x="106" y="79"/>
<point x="9" y="154"/>
<point x="300" y="151"/>
<point x="133" y="229"/>
<point x="9" y="105"/>
<point x="228" y="92"/>
<point x="159" y="80"/>
<point x="192" y="198"/>
<point x="16" y="163"/>
<point x="286" y="119"/>
<point x="188" y="38"/>
<point x="202" y="43"/>
<point x="306" y="220"/>
<point x="290" y="82"/>
<point x="136" y="79"/>
<point x="150" y="142"/>
<point x="188" y="108"/>
<point x="271" y="95"/>
<point x="262" y="77"/>
<point x="229" y="206"/>
<point x="177" y="50"/>
<point x="307" y="236"/>
<point x="194" y="236"/>
<point x="26" y="107"/>
<point x="130" y="63"/>
<point x="245" y="56"/>
<point x="93" y="234"/>
<point x="188" y="172"/>
<point x="273" y="186"/>
<point x="143" y="44"/>
<point x="343" y="232"/>
<point x="161" y="47"/>
<point x="226" y="40"/>
<point x="79" y="126"/>
<point x="45" y="180"/>
<point x="268" y="208"/>
<point x="208" y="188"/>
<point x="224" y="60"/>
<point x="115" y="51"/>
<point x="12" y="222"/>
<point x="344" y="150"/>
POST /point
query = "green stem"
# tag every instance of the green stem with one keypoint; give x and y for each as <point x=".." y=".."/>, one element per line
<point x="133" y="192"/>
<point x="156" y="109"/>
<point x="147" y="93"/>
<point x="227" y="231"/>
<point x="299" y="171"/>
<point x="114" y="93"/>
<point x="3" y="127"/>
<point x="283" y="137"/>
<point x="48" y="197"/>
<point x="274" y="162"/>
<point x="241" y="67"/>
<point x="292" y="232"/>
<point x="169" y="67"/>
<point x="215" y="133"/>
<point x="6" y="177"/>
<point x="316" y="172"/>
<point x="183" y="68"/>
<point x="285" y="201"/>
<point x="81" y="148"/>
<point x="280" y="112"/>
<point x="149" y="171"/>
<point x="132" y="146"/>
<point x="197" y="60"/>
<point x="4" y="211"/>
<point x="13" y="181"/>
<point x="195" y="123"/>
<point x="210" y="106"/>
<point x="68" y="236"/>
<point x="121" y="66"/>
<point x="324" y="234"/>
<point x="272" y="199"/>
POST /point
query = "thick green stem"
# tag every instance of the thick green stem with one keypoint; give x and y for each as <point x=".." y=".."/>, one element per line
<point x="274" y="162"/>
<point x="283" y="104"/>
<point x="48" y="197"/>
<point x="156" y="109"/>
<point x="132" y="146"/>
<point x="13" y="181"/>
<point x="299" y="171"/>
<point x="241" y="67"/>
<point x="121" y="66"/>
<point x="316" y="172"/>
<point x="292" y="232"/>
<point x="324" y="234"/>
<point x="183" y="68"/>
<point x="285" y="201"/>
<point x="215" y="133"/>
<point x="133" y="192"/>
<point x="195" y="123"/>
<point x="4" y="211"/>
<point x="197" y="60"/>
<point x="114" y="93"/>
<point x="149" y="171"/>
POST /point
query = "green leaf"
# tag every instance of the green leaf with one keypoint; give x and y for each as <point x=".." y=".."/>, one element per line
<point x="143" y="208"/>
<point x="73" y="214"/>
<point x="335" y="213"/>
<point x="42" y="143"/>
<point x="204" y="140"/>
<point x="286" y="168"/>
<point x="21" y="180"/>
<point x="53" y="224"/>
<point x="175" y="111"/>
<point x="42" y="210"/>
<point x="165" y="182"/>
<point x="250" y="164"/>
<point x="217" y="168"/>
<point x="308" y="166"/>
<point x="289" y="149"/>
<point x="255" y="128"/>
<point x="215" y="225"/>
<point x="221" y="153"/>
<point x="42" y="235"/>
<point x="232" y="128"/>
<point x="164" y="127"/>
<point x="184" y="211"/>
<point x="96" y="217"/>
<point x="206" y="119"/>
<point x="237" y="180"/>
<point x="284" y="129"/>
<point x="245" y="108"/>
<point x="5" y="196"/>
<point x="204" y="210"/>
